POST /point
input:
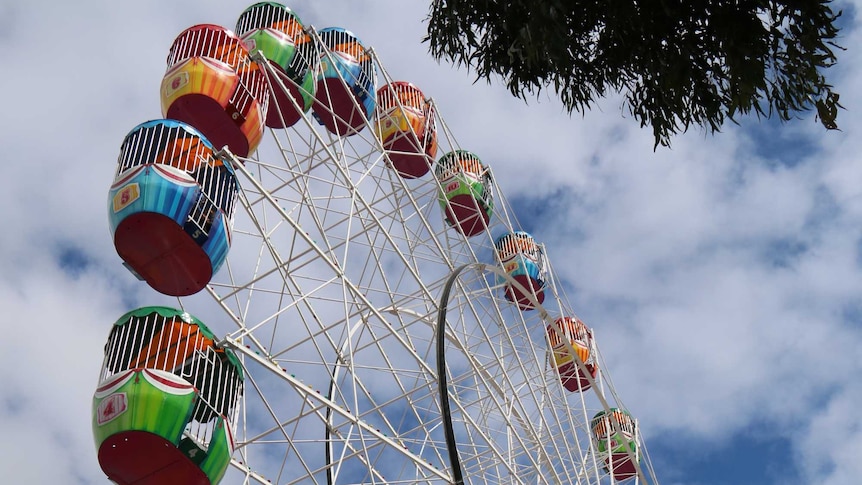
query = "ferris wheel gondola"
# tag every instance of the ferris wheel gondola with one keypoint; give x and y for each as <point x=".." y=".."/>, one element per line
<point x="278" y="33"/>
<point x="171" y="207"/>
<point x="167" y="400"/>
<point x="407" y="128"/>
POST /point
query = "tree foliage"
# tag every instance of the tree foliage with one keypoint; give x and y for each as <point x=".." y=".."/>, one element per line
<point x="678" y="63"/>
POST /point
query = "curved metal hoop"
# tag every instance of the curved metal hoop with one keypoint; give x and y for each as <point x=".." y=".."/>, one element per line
<point x="448" y="426"/>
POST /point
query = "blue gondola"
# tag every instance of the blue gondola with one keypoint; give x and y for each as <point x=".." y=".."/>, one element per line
<point x="171" y="207"/>
<point x="346" y="94"/>
<point x="521" y="257"/>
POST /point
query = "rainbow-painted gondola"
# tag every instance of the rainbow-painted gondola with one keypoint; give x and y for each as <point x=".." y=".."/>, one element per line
<point x="465" y="191"/>
<point x="407" y="128"/>
<point x="581" y="339"/>
<point x="612" y="446"/>
<point x="346" y="93"/>
<point x="213" y="85"/>
<point x="523" y="259"/>
<point x="170" y="207"/>
<point x="278" y="33"/>
<point x="166" y="401"/>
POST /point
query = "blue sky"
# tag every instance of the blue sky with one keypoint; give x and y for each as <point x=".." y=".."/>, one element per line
<point x="722" y="275"/>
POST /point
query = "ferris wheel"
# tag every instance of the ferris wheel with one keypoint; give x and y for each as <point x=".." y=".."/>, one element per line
<point x="355" y="300"/>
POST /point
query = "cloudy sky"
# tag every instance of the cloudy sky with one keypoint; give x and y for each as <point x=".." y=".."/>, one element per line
<point x="722" y="276"/>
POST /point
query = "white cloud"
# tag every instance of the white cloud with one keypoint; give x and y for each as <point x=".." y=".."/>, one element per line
<point x="54" y="327"/>
<point x="831" y="442"/>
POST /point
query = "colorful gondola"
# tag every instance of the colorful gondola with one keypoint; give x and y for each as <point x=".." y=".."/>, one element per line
<point x="523" y="259"/>
<point x="213" y="85"/>
<point x="407" y="129"/>
<point x="580" y="337"/>
<point x="346" y="94"/>
<point x="171" y="206"/>
<point x="278" y="33"/>
<point x="613" y="448"/>
<point x="465" y="191"/>
<point x="166" y="402"/>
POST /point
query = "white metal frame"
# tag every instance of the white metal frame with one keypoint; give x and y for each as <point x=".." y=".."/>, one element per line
<point x="330" y="294"/>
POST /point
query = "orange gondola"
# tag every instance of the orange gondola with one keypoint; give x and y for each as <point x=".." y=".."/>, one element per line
<point x="213" y="85"/>
<point x="407" y="129"/>
<point x="581" y="339"/>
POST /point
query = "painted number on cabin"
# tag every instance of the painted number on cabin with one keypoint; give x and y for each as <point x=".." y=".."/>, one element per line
<point x="179" y="80"/>
<point x="126" y="196"/>
<point x="111" y="407"/>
